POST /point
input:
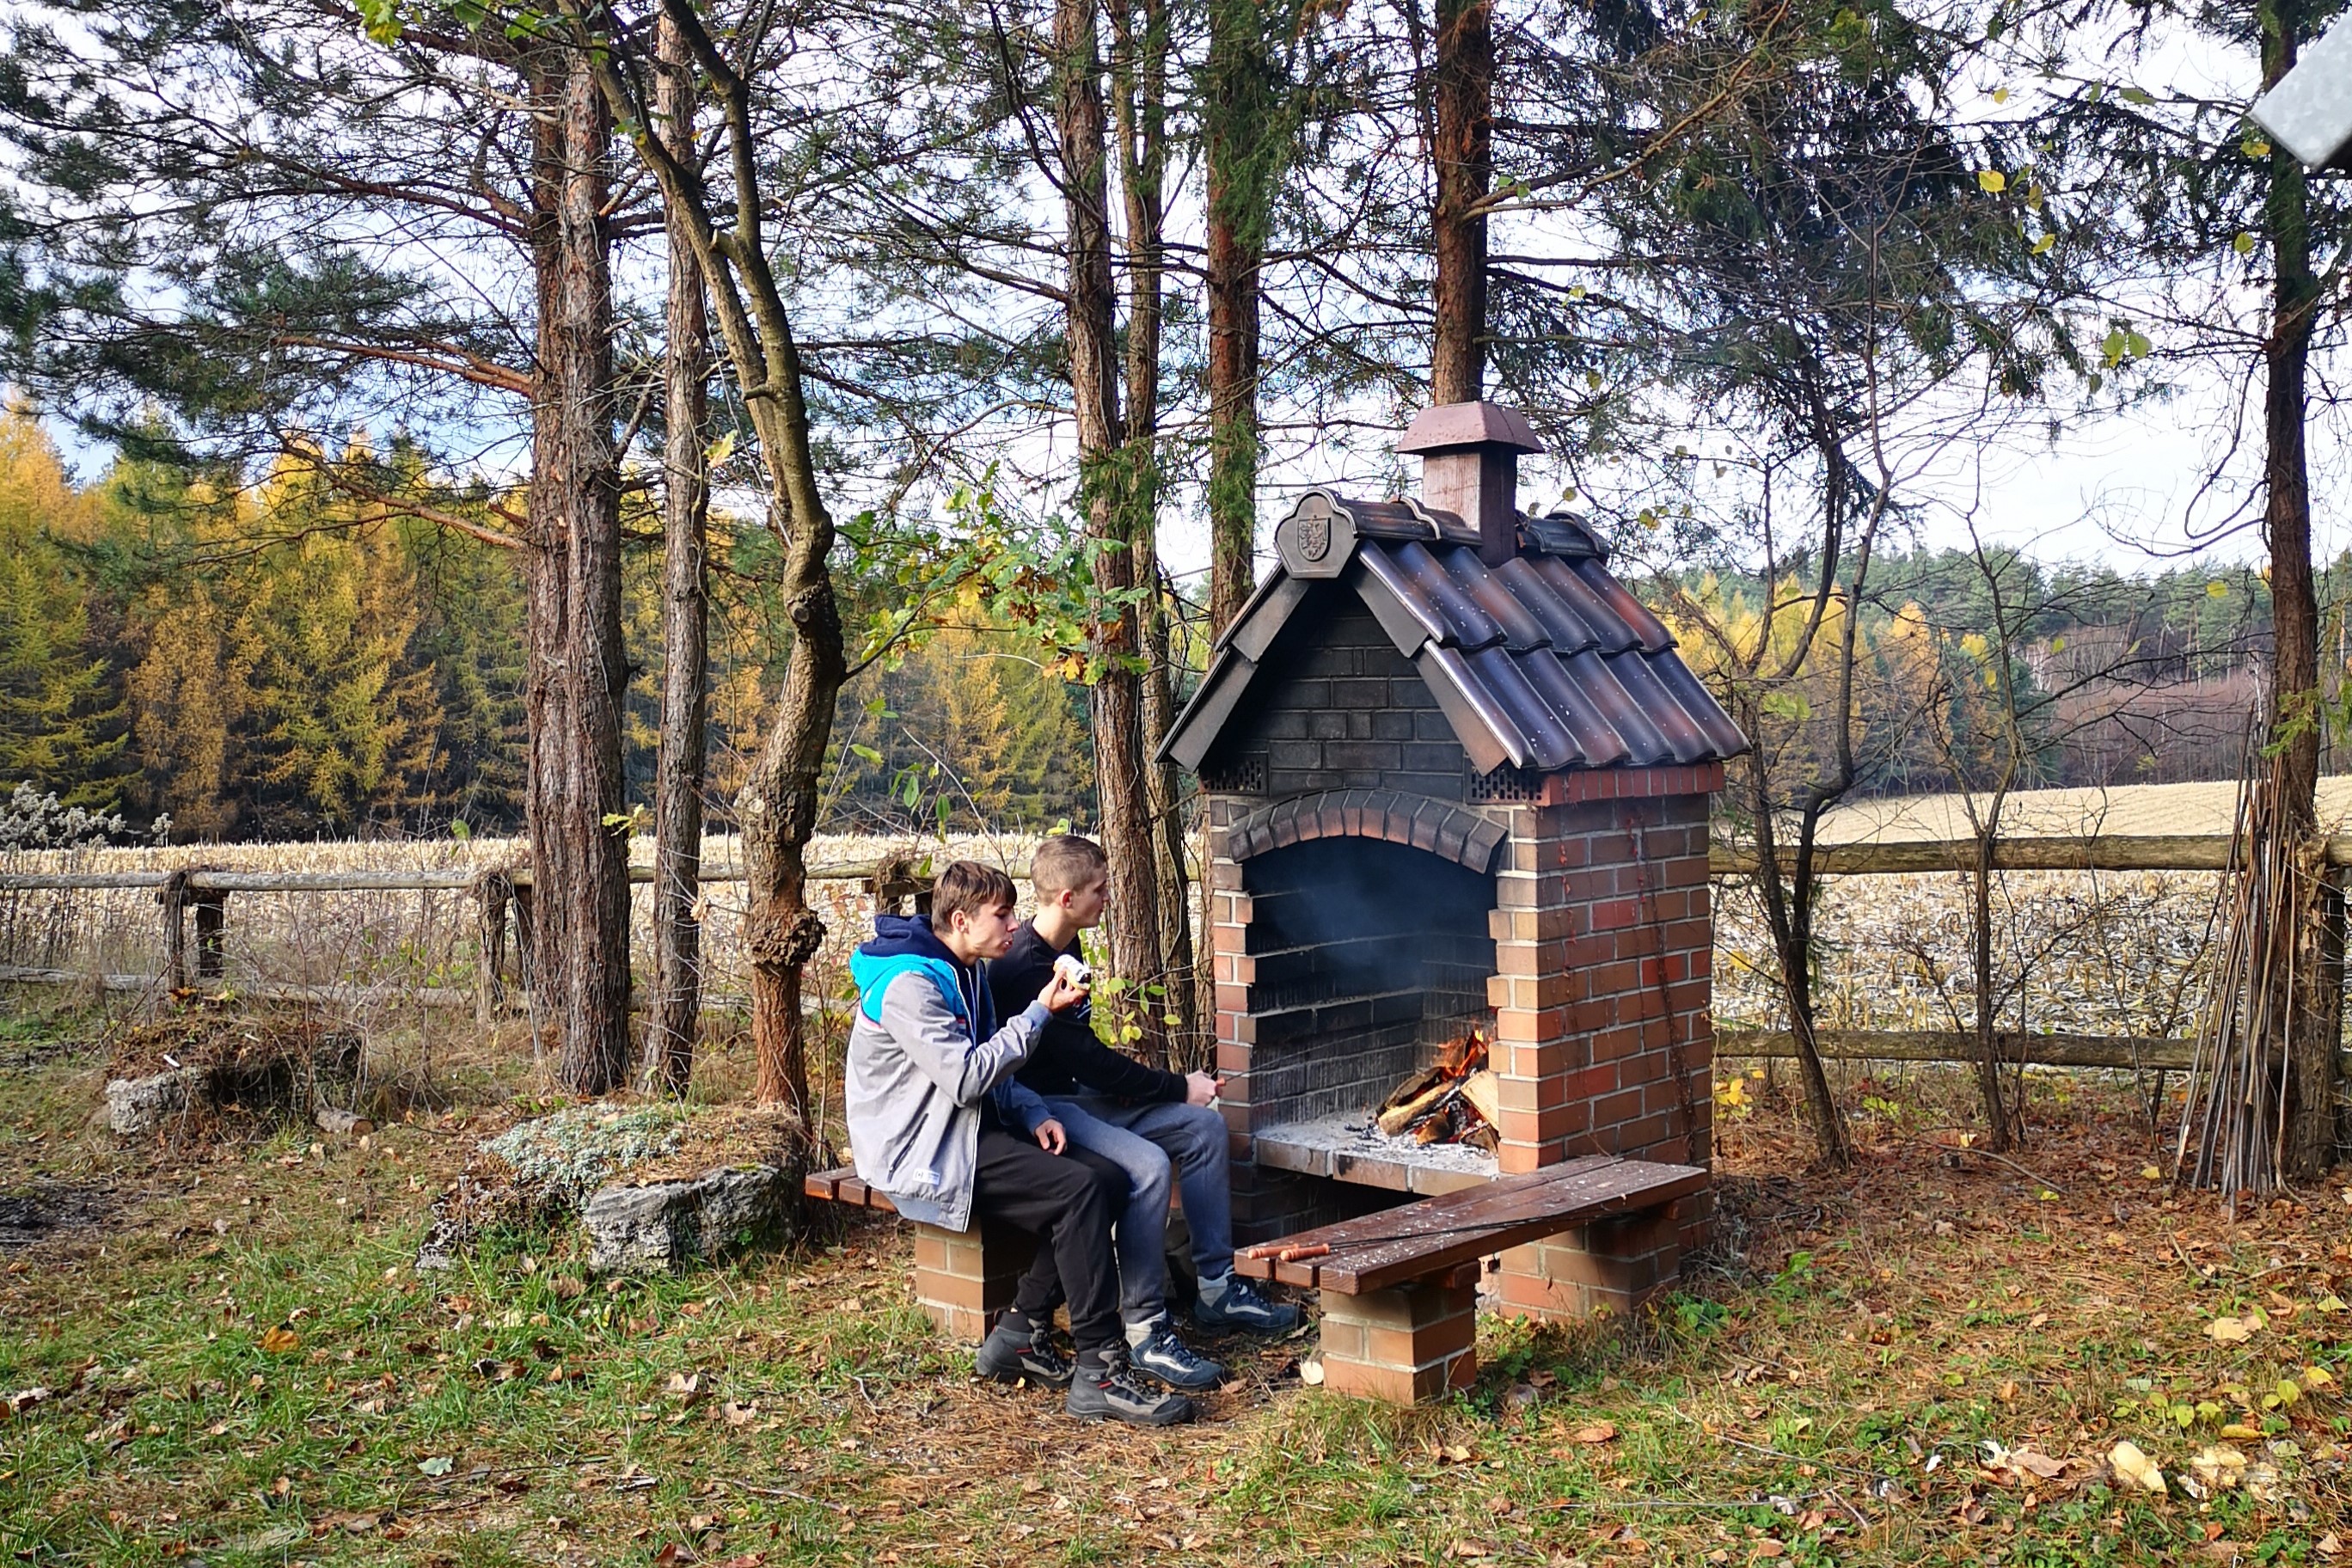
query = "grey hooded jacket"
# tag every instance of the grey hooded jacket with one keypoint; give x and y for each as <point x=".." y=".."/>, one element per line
<point x="915" y="1081"/>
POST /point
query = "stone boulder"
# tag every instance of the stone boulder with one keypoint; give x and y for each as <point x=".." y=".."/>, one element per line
<point x="138" y="1106"/>
<point x="664" y="1226"/>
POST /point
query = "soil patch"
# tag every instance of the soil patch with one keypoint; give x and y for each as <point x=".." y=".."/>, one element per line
<point x="225" y="1063"/>
<point x="240" y="1052"/>
<point x="49" y="1208"/>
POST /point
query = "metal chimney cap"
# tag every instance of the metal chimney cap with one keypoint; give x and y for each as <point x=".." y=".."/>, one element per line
<point x="1451" y="427"/>
<point x="2310" y="109"/>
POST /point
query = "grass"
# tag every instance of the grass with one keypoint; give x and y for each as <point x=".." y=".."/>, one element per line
<point x="242" y="1369"/>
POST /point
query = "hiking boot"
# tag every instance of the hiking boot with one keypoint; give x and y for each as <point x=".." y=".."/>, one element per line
<point x="1239" y="1306"/>
<point x="1172" y="1360"/>
<point x="1014" y="1350"/>
<point x="1106" y="1388"/>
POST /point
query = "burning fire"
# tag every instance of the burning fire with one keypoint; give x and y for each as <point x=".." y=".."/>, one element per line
<point x="1454" y="1101"/>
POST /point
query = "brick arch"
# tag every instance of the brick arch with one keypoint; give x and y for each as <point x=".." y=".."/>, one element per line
<point x="1414" y="821"/>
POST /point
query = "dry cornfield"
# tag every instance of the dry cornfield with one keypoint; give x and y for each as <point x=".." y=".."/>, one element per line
<point x="2090" y="953"/>
<point x="382" y="950"/>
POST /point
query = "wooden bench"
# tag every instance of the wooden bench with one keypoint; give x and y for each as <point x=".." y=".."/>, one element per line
<point x="1399" y="1287"/>
<point x="963" y="1279"/>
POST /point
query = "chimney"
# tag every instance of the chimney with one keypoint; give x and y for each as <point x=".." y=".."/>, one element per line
<point x="1470" y="467"/>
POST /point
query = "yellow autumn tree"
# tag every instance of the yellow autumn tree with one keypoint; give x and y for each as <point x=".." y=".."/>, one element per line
<point x="60" y="716"/>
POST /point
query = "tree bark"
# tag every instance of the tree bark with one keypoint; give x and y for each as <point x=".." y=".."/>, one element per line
<point x="576" y="673"/>
<point x="1462" y="95"/>
<point x="1236" y="134"/>
<point x="1998" y="1127"/>
<point x="1108" y="486"/>
<point x="674" y="1019"/>
<point x="1141" y="77"/>
<point x="776" y="808"/>
<point x="2310" y="998"/>
<point x="1788" y="916"/>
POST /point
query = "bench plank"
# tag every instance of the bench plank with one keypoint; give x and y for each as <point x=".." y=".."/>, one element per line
<point x="1385" y="1224"/>
<point x="844" y="1187"/>
<point x="1396" y="1246"/>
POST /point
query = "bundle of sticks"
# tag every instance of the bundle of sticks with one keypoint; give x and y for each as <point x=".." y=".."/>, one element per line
<point x="1455" y="1101"/>
<point x="2233" y="1131"/>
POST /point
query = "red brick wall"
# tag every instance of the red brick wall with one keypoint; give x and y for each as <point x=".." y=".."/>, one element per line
<point x="1604" y="951"/>
<point x="1604" y="945"/>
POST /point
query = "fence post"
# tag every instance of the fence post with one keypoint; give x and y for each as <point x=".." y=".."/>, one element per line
<point x="212" y="921"/>
<point x="524" y="933"/>
<point x="492" y="891"/>
<point x="173" y="896"/>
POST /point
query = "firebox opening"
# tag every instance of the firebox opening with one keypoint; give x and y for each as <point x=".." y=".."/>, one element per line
<point x="1369" y="956"/>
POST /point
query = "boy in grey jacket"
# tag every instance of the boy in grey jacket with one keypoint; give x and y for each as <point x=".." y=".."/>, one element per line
<point x="937" y="1120"/>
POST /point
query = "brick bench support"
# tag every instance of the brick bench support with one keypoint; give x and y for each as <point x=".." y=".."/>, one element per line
<point x="1408" y="1344"/>
<point x="964" y="1279"/>
<point x="1399" y="1287"/>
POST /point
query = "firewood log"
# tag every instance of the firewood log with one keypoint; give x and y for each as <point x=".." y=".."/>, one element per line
<point x="1413" y="1087"/>
<point x="1485" y="1093"/>
<point x="1398" y="1118"/>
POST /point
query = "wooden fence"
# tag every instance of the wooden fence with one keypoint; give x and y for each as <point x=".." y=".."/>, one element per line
<point x="496" y="892"/>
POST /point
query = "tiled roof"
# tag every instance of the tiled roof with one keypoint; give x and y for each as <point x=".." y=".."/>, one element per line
<point x="1545" y="662"/>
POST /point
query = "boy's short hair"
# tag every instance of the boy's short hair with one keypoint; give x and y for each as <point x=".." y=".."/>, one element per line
<point x="967" y="887"/>
<point x="1065" y="863"/>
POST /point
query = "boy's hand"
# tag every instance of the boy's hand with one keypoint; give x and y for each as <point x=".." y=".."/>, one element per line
<point x="1051" y="1137"/>
<point x="1059" y="994"/>
<point x="1200" y="1088"/>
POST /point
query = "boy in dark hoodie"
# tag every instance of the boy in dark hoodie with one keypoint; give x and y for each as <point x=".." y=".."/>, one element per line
<point x="937" y="1120"/>
<point x="1158" y="1127"/>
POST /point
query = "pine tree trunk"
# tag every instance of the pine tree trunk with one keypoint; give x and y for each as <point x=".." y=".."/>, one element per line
<point x="1115" y="634"/>
<point x="576" y="673"/>
<point x="2311" y="996"/>
<point x="1143" y="80"/>
<point x="1462" y="97"/>
<point x="1235" y="127"/>
<point x="675" y="1016"/>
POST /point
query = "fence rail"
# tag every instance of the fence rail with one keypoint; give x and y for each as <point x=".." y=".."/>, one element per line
<point x="418" y="881"/>
<point x="2131" y="852"/>
<point x="206" y="891"/>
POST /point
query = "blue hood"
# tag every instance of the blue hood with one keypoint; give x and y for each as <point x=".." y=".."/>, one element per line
<point x="906" y="944"/>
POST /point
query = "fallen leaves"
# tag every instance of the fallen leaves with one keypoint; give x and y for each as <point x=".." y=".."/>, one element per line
<point x="1596" y="1432"/>
<point x="2133" y="1468"/>
<point x="2236" y="1331"/>
<point x="279" y="1340"/>
<point x="2023" y="1466"/>
<point x="2219" y="1467"/>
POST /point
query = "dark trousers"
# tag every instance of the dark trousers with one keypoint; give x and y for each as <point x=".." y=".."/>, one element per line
<point x="1068" y="1202"/>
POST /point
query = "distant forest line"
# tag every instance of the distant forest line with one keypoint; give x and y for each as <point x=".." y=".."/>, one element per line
<point x="265" y="657"/>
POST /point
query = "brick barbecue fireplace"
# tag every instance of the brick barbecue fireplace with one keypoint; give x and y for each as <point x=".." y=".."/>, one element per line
<point x="1458" y="778"/>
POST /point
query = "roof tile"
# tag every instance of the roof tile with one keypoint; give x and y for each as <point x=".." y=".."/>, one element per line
<point x="1546" y="661"/>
